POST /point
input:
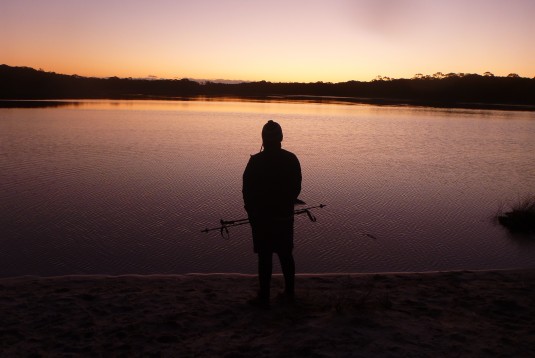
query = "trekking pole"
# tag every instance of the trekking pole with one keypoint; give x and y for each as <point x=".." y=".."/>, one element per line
<point x="307" y="211"/>
<point x="226" y="224"/>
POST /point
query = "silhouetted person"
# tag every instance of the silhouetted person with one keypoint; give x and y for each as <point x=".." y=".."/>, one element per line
<point x="271" y="184"/>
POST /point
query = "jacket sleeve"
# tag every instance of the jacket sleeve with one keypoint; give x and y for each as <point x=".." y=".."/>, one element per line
<point x="247" y="182"/>
<point x="297" y="178"/>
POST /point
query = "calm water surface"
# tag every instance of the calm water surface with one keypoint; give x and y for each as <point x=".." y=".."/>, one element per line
<point x="116" y="187"/>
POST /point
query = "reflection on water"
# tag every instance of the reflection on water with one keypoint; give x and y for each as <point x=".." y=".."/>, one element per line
<point x="126" y="186"/>
<point x="212" y="104"/>
<point x="36" y="104"/>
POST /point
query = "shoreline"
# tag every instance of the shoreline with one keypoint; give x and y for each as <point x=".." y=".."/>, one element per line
<point x="456" y="313"/>
<point x="519" y="270"/>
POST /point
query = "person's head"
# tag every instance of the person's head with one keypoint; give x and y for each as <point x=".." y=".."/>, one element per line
<point x="271" y="134"/>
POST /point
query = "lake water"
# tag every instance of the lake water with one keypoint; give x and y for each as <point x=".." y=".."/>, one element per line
<point x="118" y="187"/>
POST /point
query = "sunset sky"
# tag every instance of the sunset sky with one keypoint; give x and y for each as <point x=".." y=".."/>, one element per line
<point x="275" y="40"/>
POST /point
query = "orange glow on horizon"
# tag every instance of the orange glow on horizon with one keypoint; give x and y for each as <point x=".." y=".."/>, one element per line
<point x="277" y="41"/>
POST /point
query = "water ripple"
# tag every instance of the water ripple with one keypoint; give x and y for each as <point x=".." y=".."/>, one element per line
<point x="128" y="191"/>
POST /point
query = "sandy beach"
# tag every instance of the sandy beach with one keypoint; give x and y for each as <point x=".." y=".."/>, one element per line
<point x="446" y="314"/>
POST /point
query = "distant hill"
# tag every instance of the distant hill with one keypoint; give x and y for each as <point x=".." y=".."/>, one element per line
<point x="450" y="90"/>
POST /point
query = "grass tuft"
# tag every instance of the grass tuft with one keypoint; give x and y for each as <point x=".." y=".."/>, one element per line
<point x="521" y="217"/>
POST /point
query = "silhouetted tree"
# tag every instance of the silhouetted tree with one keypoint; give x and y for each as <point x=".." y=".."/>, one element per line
<point x="450" y="89"/>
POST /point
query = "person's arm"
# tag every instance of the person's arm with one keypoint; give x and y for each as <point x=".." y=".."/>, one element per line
<point x="247" y="190"/>
<point x="297" y="178"/>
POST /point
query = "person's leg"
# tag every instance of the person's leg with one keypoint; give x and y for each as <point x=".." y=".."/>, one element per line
<point x="288" y="270"/>
<point x="265" y="268"/>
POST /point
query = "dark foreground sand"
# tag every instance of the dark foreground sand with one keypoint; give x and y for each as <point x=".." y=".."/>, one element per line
<point x="451" y="314"/>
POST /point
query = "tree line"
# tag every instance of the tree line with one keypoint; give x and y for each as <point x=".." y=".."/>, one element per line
<point x="453" y="89"/>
